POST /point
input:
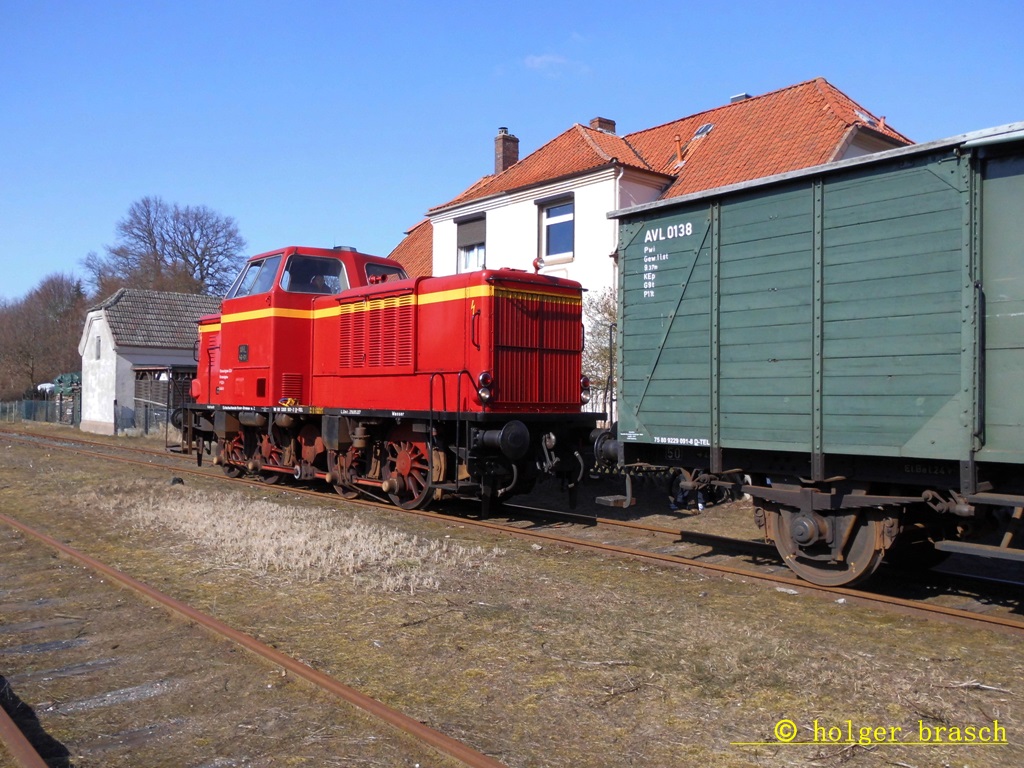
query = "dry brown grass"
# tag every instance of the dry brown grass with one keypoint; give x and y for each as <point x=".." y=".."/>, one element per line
<point x="548" y="656"/>
<point x="268" y="537"/>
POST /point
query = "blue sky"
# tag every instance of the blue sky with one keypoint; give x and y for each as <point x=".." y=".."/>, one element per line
<point x="340" y="123"/>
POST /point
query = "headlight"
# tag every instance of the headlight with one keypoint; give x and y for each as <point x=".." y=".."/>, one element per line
<point x="484" y="383"/>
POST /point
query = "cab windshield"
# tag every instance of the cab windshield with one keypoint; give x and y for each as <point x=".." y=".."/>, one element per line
<point x="256" y="277"/>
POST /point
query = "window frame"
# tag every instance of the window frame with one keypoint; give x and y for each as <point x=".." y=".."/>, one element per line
<point x="471" y="243"/>
<point x="546" y="221"/>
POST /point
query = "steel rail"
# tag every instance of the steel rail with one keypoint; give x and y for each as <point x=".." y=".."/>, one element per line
<point x="17" y="744"/>
<point x="728" y="570"/>
<point x="424" y="733"/>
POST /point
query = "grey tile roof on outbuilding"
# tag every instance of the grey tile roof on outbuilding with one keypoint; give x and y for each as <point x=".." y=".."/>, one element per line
<point x="140" y="318"/>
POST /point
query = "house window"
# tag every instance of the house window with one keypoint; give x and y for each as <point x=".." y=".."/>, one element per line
<point x="471" y="241"/>
<point x="558" y="227"/>
<point x="99" y="349"/>
<point x="471" y="257"/>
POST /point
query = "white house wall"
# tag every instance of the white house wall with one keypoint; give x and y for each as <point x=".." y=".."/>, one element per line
<point x="513" y="226"/>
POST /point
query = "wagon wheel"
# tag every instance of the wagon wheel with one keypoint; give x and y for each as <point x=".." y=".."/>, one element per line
<point x="800" y="539"/>
<point x="233" y="450"/>
<point x="406" y="468"/>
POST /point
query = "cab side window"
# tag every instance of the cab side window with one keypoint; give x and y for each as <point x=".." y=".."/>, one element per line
<point x="312" y="274"/>
<point x="377" y="273"/>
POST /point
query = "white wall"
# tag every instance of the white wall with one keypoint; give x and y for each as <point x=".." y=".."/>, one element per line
<point x="111" y="377"/>
<point x="513" y="226"/>
<point x="98" y="375"/>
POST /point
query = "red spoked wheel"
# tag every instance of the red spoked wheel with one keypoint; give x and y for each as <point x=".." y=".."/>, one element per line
<point x="407" y="468"/>
<point x="270" y="452"/>
<point x="233" y="450"/>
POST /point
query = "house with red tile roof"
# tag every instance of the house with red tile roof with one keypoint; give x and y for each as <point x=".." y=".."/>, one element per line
<point x="549" y="210"/>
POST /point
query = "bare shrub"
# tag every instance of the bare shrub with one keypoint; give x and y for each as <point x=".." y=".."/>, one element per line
<point x="316" y="544"/>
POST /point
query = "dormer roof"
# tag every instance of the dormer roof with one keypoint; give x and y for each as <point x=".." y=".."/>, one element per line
<point x="796" y="127"/>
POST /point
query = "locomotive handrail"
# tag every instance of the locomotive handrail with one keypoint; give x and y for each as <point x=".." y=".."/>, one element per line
<point x="474" y="328"/>
<point x="503" y="279"/>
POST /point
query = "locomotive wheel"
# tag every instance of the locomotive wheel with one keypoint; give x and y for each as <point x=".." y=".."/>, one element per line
<point x="861" y="555"/>
<point x="345" y="465"/>
<point x="234" y="450"/>
<point x="407" y="468"/>
<point x="271" y="453"/>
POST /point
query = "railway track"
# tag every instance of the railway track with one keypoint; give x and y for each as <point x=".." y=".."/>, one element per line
<point x="71" y="623"/>
<point x="591" y="533"/>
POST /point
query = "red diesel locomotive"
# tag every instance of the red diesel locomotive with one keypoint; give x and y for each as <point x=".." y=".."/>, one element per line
<point x="336" y="365"/>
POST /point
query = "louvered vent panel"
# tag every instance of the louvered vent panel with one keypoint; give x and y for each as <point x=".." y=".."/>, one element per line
<point x="291" y="385"/>
<point x="352" y="344"/>
<point x="378" y="334"/>
<point x="537" y="348"/>
<point x="213" y="346"/>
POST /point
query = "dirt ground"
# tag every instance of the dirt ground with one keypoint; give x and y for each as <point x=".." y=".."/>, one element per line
<point x="545" y="656"/>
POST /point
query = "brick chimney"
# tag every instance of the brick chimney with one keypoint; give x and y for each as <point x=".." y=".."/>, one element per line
<point x="603" y="124"/>
<point x="506" y="150"/>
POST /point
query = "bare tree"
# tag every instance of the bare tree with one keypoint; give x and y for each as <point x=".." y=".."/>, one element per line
<point x="208" y="246"/>
<point x="599" y="313"/>
<point x="190" y="249"/>
<point x="39" y="334"/>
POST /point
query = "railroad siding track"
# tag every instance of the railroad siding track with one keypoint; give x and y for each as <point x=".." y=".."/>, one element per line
<point x="113" y="681"/>
<point x="914" y="592"/>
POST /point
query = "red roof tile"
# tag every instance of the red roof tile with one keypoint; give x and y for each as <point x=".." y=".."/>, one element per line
<point x="785" y="130"/>
<point x="789" y="129"/>
<point x="577" y="150"/>
<point x="416" y="251"/>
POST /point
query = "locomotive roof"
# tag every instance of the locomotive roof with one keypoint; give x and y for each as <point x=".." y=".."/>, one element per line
<point x="1000" y="134"/>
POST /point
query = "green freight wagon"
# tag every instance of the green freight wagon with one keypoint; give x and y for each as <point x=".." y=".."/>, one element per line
<point x="850" y="338"/>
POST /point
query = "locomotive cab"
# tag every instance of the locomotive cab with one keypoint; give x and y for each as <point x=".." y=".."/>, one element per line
<point x="264" y="338"/>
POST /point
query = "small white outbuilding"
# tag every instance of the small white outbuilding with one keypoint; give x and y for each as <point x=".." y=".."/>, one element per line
<point x="127" y="338"/>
